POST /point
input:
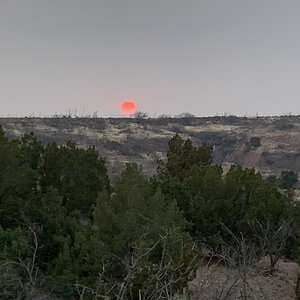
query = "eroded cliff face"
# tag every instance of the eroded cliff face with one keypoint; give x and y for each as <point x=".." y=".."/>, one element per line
<point x="270" y="144"/>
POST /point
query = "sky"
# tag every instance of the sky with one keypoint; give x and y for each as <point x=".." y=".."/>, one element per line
<point x="206" y="57"/>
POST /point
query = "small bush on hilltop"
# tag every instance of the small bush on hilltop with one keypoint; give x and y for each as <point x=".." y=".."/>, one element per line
<point x="255" y="141"/>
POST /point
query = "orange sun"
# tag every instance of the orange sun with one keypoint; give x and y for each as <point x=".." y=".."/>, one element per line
<point x="128" y="108"/>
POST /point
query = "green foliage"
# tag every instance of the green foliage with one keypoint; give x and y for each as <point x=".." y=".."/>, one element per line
<point x="127" y="223"/>
<point x="207" y="198"/>
<point x="135" y="237"/>
<point x="32" y="151"/>
<point x="255" y="141"/>
<point x="288" y="179"/>
<point x="182" y="155"/>
<point x="149" y="272"/>
<point x="47" y="187"/>
<point x="272" y="179"/>
<point x="251" y="196"/>
<point x="58" y="226"/>
<point x="12" y="244"/>
<point x="64" y="271"/>
<point x="17" y="182"/>
<point x="132" y="210"/>
<point x="13" y="248"/>
<point x="78" y="174"/>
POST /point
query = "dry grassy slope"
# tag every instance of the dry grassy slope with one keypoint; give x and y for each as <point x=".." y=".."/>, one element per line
<point x="145" y="140"/>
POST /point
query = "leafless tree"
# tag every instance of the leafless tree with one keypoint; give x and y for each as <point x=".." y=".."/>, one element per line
<point x="240" y="255"/>
<point x="272" y="238"/>
<point x="140" y="115"/>
<point x="213" y="280"/>
<point x="226" y="272"/>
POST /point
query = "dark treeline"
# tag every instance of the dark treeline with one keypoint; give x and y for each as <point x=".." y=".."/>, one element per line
<point x="66" y="229"/>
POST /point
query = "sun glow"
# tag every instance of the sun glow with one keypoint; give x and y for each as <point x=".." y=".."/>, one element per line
<point x="128" y="108"/>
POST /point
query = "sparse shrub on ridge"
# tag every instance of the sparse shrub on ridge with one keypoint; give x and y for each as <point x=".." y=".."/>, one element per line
<point x="255" y="141"/>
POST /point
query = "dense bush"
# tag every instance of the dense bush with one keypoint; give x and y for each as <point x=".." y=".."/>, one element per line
<point x="208" y="198"/>
<point x="288" y="179"/>
<point x="255" y="141"/>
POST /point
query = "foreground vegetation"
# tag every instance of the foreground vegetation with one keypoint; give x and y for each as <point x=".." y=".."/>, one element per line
<point x="65" y="228"/>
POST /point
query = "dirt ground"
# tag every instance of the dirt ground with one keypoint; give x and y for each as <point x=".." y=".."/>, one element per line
<point x="218" y="282"/>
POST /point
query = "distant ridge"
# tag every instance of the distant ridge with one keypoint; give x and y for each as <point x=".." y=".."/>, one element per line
<point x="270" y="144"/>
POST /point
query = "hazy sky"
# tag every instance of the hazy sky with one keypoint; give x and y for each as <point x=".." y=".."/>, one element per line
<point x="169" y="56"/>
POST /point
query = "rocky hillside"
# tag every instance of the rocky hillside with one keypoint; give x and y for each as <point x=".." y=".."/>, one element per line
<point x="270" y="144"/>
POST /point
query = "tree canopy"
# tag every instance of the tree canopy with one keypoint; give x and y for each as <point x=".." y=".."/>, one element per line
<point x="66" y="228"/>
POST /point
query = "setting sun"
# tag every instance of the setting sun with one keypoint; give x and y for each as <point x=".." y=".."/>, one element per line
<point x="128" y="108"/>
